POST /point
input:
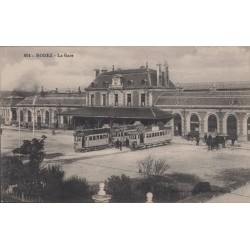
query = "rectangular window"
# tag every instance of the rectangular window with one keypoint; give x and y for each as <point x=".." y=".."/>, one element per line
<point x="116" y="99"/>
<point x="92" y="100"/>
<point x="93" y="138"/>
<point x="104" y="101"/>
<point x="129" y="103"/>
<point x="90" y="138"/>
<point x="143" y="99"/>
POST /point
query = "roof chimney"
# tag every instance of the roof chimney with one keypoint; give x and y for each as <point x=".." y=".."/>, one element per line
<point x="104" y="71"/>
<point x="146" y="65"/>
<point x="97" y="72"/>
<point x="166" y="75"/>
<point x="159" y="75"/>
<point x="113" y="68"/>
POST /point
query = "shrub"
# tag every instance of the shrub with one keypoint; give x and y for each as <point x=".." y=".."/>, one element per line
<point x="202" y="187"/>
<point x="52" y="179"/>
<point x="75" y="189"/>
<point x="120" y="188"/>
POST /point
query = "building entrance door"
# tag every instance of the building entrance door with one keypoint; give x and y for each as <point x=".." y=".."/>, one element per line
<point x="232" y="127"/>
<point x="177" y="125"/>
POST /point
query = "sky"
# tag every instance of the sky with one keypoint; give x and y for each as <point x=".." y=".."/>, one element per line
<point x="186" y="64"/>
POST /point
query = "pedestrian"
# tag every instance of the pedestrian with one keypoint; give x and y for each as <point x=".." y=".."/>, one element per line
<point x="209" y="142"/>
<point x="197" y="140"/>
<point x="120" y="145"/>
<point x="205" y="138"/>
<point x="233" y="141"/>
<point x="117" y="143"/>
<point x="127" y="142"/>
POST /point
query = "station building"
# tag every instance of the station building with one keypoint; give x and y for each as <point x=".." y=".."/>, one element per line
<point x="124" y="97"/>
<point x="142" y="94"/>
<point x="211" y="108"/>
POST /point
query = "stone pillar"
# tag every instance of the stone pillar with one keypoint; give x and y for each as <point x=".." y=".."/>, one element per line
<point x="101" y="197"/>
<point x="240" y="128"/>
<point x="149" y="197"/>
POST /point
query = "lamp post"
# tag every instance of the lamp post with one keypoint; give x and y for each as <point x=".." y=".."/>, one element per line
<point x="1" y="176"/>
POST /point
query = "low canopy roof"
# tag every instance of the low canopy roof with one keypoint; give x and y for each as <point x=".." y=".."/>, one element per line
<point x="119" y="112"/>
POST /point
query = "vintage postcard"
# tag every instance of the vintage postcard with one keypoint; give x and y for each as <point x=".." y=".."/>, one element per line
<point x="125" y="124"/>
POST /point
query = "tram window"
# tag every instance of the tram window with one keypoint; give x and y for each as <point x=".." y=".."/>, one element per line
<point x="149" y="135"/>
<point x="97" y="137"/>
<point x="90" y="138"/>
<point x="86" y="138"/>
<point x="153" y="135"/>
<point x="94" y="137"/>
<point x="100" y="136"/>
<point x="146" y="135"/>
<point x="157" y="134"/>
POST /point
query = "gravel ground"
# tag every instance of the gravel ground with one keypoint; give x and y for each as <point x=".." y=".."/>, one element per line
<point x="182" y="156"/>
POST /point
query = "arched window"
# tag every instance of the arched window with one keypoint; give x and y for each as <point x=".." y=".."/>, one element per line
<point x="29" y="116"/>
<point x="212" y="123"/>
<point x="194" y="123"/>
<point x="21" y="116"/>
<point x="47" y="117"/>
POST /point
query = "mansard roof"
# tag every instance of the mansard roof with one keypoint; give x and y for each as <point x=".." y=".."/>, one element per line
<point x="131" y="79"/>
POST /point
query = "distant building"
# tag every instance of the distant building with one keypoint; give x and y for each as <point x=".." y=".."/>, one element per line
<point x="8" y="109"/>
<point x="45" y="107"/>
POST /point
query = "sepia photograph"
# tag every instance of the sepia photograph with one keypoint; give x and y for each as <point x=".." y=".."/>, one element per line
<point x="119" y="124"/>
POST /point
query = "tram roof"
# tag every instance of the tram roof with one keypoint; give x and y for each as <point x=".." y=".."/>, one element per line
<point x="119" y="112"/>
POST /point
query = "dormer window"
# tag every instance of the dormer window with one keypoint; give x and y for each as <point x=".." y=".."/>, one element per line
<point x="130" y="82"/>
<point x="144" y="82"/>
<point x="92" y="85"/>
<point x="117" y="81"/>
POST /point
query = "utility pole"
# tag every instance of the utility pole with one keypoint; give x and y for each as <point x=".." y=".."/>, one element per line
<point x="33" y="122"/>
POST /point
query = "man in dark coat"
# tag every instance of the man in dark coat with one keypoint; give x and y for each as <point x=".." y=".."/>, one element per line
<point x="209" y="141"/>
<point x="205" y="138"/>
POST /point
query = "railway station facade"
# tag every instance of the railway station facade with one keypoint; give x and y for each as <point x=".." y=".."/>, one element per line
<point x="222" y="108"/>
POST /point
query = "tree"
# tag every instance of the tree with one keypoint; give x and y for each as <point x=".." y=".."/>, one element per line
<point x="119" y="187"/>
<point x="150" y="166"/>
<point x="153" y="172"/>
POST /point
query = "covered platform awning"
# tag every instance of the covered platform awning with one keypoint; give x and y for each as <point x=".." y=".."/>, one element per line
<point x="119" y="112"/>
<point x="123" y="115"/>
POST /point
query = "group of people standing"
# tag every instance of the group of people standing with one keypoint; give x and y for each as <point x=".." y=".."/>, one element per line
<point x="118" y="144"/>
